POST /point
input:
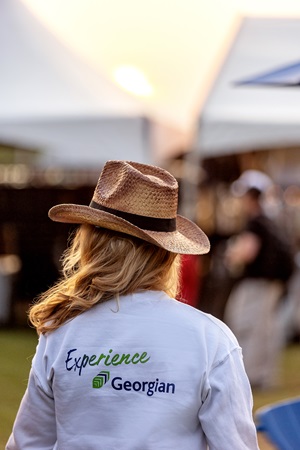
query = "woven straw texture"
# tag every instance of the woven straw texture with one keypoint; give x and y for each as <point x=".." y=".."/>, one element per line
<point x="142" y="190"/>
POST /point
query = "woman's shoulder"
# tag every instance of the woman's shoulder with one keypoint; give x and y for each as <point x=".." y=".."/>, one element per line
<point x="148" y="308"/>
<point x="205" y="320"/>
<point x="187" y="317"/>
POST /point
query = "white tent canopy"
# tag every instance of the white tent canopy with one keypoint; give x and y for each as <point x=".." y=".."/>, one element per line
<point x="51" y="100"/>
<point x="237" y="118"/>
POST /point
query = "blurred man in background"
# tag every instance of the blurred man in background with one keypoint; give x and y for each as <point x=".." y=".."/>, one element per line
<point x="263" y="263"/>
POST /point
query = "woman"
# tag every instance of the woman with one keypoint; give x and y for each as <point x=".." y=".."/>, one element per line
<point x="120" y="364"/>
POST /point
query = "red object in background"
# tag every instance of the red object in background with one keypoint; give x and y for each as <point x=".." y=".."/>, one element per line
<point x="190" y="280"/>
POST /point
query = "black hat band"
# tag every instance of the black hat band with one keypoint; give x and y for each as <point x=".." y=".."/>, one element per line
<point x="143" y="222"/>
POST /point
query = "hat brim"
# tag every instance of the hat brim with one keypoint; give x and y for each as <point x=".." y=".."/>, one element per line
<point x="188" y="238"/>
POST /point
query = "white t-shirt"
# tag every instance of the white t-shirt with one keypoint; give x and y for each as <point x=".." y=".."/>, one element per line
<point x="145" y="373"/>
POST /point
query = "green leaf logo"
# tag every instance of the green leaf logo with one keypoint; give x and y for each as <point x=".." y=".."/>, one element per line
<point x="101" y="379"/>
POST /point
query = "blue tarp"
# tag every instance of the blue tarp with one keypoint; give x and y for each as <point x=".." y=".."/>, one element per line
<point x="285" y="76"/>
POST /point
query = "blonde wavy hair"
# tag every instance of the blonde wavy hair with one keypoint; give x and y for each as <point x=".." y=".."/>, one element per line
<point x="99" y="265"/>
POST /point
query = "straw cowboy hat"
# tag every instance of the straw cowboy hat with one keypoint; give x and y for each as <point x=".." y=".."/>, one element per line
<point x="140" y="200"/>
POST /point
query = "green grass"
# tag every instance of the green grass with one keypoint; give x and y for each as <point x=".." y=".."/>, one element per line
<point x="17" y="347"/>
<point x="289" y="385"/>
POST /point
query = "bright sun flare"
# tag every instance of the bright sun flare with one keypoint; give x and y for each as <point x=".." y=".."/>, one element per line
<point x="133" y="80"/>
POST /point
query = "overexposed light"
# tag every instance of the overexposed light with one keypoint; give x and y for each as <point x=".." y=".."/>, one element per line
<point x="133" y="80"/>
